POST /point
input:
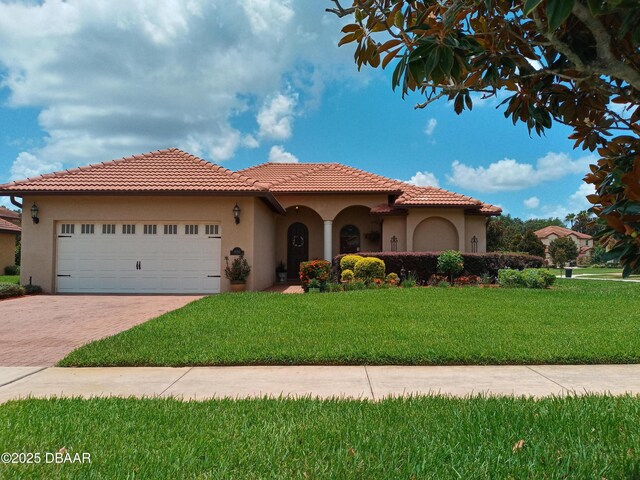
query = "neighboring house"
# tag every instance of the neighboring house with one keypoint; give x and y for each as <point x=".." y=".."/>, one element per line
<point x="164" y="221"/>
<point x="10" y="216"/>
<point x="8" y="236"/>
<point x="582" y="240"/>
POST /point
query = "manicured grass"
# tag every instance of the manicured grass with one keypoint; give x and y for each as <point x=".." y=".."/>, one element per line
<point x="594" y="272"/>
<point x="575" y="322"/>
<point x="9" y="278"/>
<point x="428" y="437"/>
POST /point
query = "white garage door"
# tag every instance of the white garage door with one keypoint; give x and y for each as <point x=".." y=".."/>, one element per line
<point x="138" y="257"/>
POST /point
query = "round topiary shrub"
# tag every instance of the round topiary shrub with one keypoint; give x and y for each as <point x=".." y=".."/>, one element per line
<point x="392" y="279"/>
<point x="368" y="269"/>
<point x="450" y="263"/>
<point x="348" y="262"/>
<point x="347" y="276"/>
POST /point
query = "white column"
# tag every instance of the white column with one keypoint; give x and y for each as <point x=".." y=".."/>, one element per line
<point x="328" y="224"/>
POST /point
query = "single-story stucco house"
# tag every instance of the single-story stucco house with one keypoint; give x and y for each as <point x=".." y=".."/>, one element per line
<point x="163" y="222"/>
<point x="8" y="236"/>
<point x="583" y="241"/>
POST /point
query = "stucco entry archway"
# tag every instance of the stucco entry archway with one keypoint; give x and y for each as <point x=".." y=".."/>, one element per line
<point x="305" y="218"/>
<point x="435" y="234"/>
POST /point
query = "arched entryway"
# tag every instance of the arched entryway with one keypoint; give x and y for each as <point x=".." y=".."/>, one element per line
<point x="356" y="230"/>
<point x="435" y="234"/>
<point x="297" y="248"/>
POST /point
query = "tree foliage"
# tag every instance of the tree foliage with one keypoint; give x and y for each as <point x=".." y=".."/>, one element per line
<point x="531" y="244"/>
<point x="504" y="233"/>
<point x="575" y="62"/>
<point x="563" y="250"/>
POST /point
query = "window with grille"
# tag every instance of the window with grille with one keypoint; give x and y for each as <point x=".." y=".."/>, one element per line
<point x="108" y="229"/>
<point x="87" y="229"/>
<point x="128" y="229"/>
<point x="191" y="229"/>
<point x="150" y="229"/>
<point x="211" y="229"/>
<point x="68" y="228"/>
<point x="171" y="229"/>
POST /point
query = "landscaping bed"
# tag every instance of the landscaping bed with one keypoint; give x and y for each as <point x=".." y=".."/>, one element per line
<point x="573" y="322"/>
<point x="426" y="437"/>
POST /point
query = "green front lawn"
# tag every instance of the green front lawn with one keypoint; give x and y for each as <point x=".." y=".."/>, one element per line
<point x="575" y="322"/>
<point x="427" y="437"/>
<point x="9" y="278"/>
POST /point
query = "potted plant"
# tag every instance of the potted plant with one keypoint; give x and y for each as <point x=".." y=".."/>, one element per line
<point x="314" y="286"/>
<point x="281" y="272"/>
<point x="237" y="273"/>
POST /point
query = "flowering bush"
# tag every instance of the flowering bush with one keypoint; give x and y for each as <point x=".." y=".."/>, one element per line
<point x="392" y="278"/>
<point x="467" y="280"/>
<point x="435" y="280"/>
<point x="318" y="269"/>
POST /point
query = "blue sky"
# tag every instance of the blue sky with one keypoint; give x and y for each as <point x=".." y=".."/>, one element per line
<point x="241" y="83"/>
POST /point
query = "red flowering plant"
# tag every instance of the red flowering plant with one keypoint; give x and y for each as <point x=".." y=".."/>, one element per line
<point x="318" y="269"/>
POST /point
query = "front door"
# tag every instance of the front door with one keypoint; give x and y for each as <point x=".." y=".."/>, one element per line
<point x="297" y="248"/>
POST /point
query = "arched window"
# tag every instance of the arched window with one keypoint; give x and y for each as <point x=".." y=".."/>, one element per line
<point x="349" y="239"/>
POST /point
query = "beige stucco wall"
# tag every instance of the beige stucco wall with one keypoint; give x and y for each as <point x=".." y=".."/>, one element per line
<point x="475" y="225"/>
<point x="264" y="241"/>
<point x="394" y="226"/>
<point x="39" y="240"/>
<point x="416" y="216"/>
<point x="7" y="250"/>
<point x="580" y="242"/>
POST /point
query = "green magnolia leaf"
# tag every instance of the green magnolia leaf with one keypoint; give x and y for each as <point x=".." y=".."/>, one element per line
<point x="530" y="6"/>
<point x="558" y="11"/>
<point x="398" y="71"/>
<point x="595" y="6"/>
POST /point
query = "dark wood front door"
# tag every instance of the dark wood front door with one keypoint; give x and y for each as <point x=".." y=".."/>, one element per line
<point x="297" y="248"/>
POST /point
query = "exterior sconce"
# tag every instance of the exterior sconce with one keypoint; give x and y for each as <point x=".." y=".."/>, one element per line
<point x="394" y="244"/>
<point x="236" y="214"/>
<point x="474" y="244"/>
<point x="34" y="213"/>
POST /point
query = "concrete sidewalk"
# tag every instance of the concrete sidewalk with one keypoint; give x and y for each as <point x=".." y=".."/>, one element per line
<point x="372" y="382"/>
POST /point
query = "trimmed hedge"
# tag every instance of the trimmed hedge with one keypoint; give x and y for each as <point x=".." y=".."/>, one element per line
<point x="425" y="264"/>
<point x="527" y="278"/>
<point x="8" y="290"/>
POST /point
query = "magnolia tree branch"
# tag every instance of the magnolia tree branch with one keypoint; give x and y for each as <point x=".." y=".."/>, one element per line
<point x="340" y="11"/>
<point x="609" y="64"/>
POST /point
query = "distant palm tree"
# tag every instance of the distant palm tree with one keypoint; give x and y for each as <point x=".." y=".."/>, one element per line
<point x="570" y="218"/>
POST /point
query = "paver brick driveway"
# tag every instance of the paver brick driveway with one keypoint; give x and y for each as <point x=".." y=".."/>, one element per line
<point x="40" y="330"/>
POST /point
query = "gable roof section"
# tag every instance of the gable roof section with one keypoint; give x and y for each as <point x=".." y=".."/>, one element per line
<point x="320" y="178"/>
<point x="170" y="170"/>
<point x="560" y="232"/>
<point x="6" y="214"/>
<point x="8" y="227"/>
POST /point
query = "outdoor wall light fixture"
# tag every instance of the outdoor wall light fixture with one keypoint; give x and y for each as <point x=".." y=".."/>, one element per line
<point x="474" y="244"/>
<point x="34" y="213"/>
<point x="394" y="244"/>
<point x="236" y="214"/>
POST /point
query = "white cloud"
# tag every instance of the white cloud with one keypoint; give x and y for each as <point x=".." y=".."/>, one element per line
<point x="278" y="154"/>
<point x="532" y="202"/>
<point x="28" y="165"/>
<point x="575" y="203"/>
<point x="276" y="117"/>
<point x="424" y="179"/>
<point x="509" y="175"/>
<point x="430" y="127"/>
<point x="116" y="78"/>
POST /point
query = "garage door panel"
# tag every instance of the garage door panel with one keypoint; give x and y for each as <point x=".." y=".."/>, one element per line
<point x="140" y="262"/>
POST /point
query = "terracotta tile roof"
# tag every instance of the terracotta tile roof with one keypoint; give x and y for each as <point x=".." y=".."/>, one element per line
<point x="170" y="170"/>
<point x="6" y="213"/>
<point x="6" y="226"/>
<point x="488" y="209"/>
<point x="560" y="232"/>
<point x="320" y="178"/>
<point x="433" y="196"/>
<point x="386" y="209"/>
